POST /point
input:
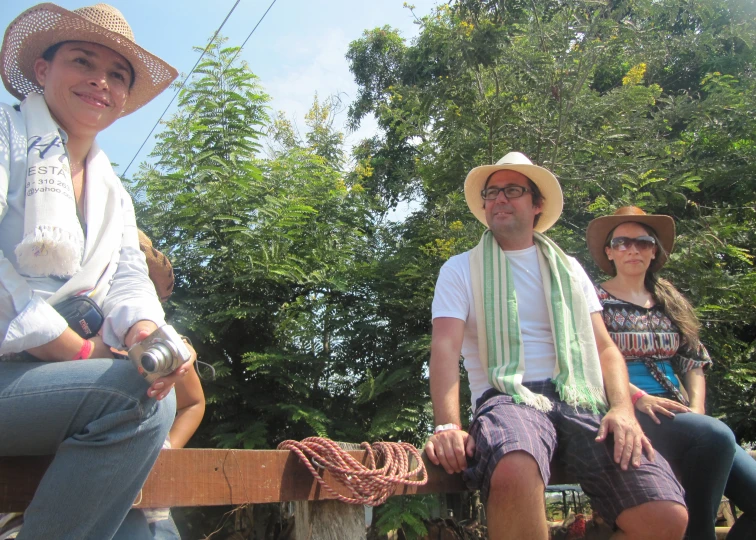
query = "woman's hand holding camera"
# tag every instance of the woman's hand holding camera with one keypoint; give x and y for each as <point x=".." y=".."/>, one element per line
<point x="162" y="386"/>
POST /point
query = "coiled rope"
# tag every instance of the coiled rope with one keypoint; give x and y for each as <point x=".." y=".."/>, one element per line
<point x="368" y="484"/>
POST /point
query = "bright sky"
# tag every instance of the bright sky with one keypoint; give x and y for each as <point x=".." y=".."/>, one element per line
<point x="297" y="51"/>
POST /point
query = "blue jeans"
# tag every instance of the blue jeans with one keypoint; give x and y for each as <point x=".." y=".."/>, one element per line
<point x="741" y="489"/>
<point x="709" y="462"/>
<point x="136" y="527"/>
<point x="106" y="434"/>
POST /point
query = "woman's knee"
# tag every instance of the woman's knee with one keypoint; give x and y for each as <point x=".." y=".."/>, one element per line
<point x="164" y="413"/>
<point x="128" y="391"/>
<point x="715" y="433"/>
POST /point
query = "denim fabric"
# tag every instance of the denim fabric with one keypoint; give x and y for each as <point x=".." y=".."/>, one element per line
<point x="165" y="530"/>
<point x="136" y="527"/>
<point x="741" y="489"/>
<point x="701" y="450"/>
<point x="95" y="416"/>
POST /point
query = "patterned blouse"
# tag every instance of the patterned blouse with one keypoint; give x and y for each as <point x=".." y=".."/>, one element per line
<point x="642" y="333"/>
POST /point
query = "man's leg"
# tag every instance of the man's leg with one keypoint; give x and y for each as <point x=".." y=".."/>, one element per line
<point x="652" y="521"/>
<point x="513" y="448"/>
<point x="95" y="416"/>
<point x="516" y="507"/>
<point x="688" y="441"/>
<point x="644" y="503"/>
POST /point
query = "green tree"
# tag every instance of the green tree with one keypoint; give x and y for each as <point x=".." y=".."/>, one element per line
<point x="640" y="102"/>
<point x="262" y="250"/>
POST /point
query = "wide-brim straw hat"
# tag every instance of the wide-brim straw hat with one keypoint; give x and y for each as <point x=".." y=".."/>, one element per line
<point x="599" y="229"/>
<point x="44" y="25"/>
<point x="515" y="161"/>
<point x="160" y="268"/>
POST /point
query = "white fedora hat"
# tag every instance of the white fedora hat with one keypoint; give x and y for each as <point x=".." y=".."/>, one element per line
<point x="516" y="161"/>
<point x="45" y="25"/>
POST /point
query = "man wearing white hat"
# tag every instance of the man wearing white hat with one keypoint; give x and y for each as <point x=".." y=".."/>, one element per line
<point x="545" y="377"/>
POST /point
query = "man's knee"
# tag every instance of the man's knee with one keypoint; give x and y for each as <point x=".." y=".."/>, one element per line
<point x="654" y="520"/>
<point x="515" y="472"/>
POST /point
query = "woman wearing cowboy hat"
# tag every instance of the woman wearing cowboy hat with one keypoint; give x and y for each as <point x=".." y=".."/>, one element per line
<point x="67" y="230"/>
<point x="657" y="331"/>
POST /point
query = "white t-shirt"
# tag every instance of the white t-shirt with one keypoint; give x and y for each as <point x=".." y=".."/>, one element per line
<point x="454" y="298"/>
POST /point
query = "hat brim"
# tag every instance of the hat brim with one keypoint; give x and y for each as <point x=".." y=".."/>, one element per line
<point x="44" y="25"/>
<point x="159" y="267"/>
<point x="544" y="179"/>
<point x="599" y="229"/>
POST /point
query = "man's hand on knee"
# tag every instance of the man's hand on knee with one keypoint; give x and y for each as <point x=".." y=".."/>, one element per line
<point x="629" y="440"/>
<point x="450" y="449"/>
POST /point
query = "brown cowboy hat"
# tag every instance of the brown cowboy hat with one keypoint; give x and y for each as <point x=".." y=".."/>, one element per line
<point x="44" y="25"/>
<point x="160" y="268"/>
<point x="600" y="228"/>
<point x="516" y="161"/>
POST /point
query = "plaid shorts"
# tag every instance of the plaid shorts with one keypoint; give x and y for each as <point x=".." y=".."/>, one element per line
<point x="567" y="433"/>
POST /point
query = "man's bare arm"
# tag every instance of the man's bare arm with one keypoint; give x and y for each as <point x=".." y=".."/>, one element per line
<point x="629" y="439"/>
<point x="447" y="448"/>
<point x="446" y="347"/>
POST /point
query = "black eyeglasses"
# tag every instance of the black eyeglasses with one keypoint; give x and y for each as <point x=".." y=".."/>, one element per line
<point x="510" y="192"/>
<point x="623" y="243"/>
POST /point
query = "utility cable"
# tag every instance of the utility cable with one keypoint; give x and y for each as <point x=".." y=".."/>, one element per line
<point x="184" y="82"/>
<point x="253" y="31"/>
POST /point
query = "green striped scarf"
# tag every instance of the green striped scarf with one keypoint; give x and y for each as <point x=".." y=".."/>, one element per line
<point x="577" y="374"/>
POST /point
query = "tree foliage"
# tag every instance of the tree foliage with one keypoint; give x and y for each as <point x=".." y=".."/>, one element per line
<point x="631" y="102"/>
<point x="275" y="264"/>
<point x="314" y="306"/>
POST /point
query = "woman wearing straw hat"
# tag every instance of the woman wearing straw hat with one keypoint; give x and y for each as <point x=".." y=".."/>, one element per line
<point x="67" y="231"/>
<point x="657" y="331"/>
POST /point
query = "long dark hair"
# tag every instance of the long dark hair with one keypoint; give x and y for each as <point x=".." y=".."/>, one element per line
<point x="669" y="299"/>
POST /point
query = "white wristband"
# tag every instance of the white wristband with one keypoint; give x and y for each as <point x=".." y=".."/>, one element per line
<point x="445" y="427"/>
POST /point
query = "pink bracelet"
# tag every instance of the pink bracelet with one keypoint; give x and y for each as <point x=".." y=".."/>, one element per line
<point x="636" y="396"/>
<point x="85" y="352"/>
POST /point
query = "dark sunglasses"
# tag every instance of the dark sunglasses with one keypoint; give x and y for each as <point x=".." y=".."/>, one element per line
<point x="623" y="243"/>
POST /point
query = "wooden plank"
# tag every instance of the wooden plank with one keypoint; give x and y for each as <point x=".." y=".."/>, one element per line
<point x="19" y="477"/>
<point x="211" y="477"/>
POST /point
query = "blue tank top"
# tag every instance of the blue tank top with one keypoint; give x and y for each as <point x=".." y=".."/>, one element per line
<point x="640" y="376"/>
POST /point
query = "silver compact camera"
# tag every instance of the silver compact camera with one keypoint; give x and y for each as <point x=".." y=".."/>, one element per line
<point x="159" y="354"/>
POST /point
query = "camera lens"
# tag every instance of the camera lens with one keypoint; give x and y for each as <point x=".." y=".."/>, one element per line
<point x="156" y="358"/>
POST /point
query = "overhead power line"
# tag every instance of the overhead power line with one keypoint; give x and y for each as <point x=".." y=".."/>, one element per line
<point x="253" y="30"/>
<point x="182" y="84"/>
<point x="195" y="67"/>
